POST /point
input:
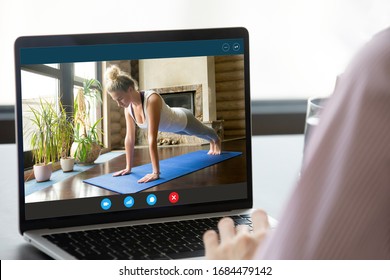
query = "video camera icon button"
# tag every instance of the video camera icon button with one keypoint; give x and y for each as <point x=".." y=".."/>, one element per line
<point x="105" y="204"/>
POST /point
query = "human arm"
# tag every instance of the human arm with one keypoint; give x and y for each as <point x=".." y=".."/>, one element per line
<point x="236" y="243"/>
<point x="153" y="110"/>
<point x="129" y="145"/>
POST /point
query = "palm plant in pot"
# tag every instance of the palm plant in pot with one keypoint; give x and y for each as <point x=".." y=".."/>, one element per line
<point x="43" y="139"/>
<point x="64" y="131"/>
<point x="87" y="145"/>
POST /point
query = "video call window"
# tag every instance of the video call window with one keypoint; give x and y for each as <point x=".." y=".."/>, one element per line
<point x="211" y="87"/>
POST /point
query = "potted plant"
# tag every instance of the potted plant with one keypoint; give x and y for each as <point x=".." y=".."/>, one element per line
<point x="42" y="139"/>
<point x="86" y="146"/>
<point x="64" y="132"/>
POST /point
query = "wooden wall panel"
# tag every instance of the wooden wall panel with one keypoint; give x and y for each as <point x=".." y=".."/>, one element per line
<point x="117" y="124"/>
<point x="229" y="83"/>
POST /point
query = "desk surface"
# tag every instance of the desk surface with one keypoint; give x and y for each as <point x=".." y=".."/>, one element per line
<point x="272" y="156"/>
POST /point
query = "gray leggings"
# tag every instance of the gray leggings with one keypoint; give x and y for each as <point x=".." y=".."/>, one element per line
<point x="195" y="128"/>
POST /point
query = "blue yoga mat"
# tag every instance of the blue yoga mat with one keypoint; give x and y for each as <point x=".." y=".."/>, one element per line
<point x="170" y="169"/>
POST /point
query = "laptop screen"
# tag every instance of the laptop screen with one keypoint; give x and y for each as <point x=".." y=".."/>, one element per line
<point x="166" y="111"/>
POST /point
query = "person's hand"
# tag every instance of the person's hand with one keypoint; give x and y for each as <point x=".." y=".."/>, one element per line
<point x="122" y="172"/>
<point x="236" y="243"/>
<point x="149" y="177"/>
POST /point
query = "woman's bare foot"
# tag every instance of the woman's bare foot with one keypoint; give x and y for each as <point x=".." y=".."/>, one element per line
<point x="215" y="147"/>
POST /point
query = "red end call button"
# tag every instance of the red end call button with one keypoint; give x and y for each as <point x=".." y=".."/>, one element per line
<point x="173" y="197"/>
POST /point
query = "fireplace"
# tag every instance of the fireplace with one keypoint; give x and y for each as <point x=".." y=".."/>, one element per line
<point x="189" y="97"/>
<point x="180" y="99"/>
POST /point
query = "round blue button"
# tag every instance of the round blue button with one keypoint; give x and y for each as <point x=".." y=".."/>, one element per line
<point x="128" y="201"/>
<point x="225" y="47"/>
<point x="151" y="199"/>
<point x="105" y="204"/>
<point x="236" y="47"/>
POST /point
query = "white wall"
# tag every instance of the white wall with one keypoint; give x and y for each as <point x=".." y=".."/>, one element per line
<point x="297" y="46"/>
<point x="168" y="72"/>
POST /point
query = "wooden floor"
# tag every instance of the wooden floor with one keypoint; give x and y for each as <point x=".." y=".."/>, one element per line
<point x="229" y="171"/>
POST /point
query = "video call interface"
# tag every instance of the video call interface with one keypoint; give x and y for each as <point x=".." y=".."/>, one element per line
<point x="67" y="114"/>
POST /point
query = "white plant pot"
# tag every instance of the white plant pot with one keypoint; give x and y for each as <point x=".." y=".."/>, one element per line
<point x="42" y="172"/>
<point x="67" y="164"/>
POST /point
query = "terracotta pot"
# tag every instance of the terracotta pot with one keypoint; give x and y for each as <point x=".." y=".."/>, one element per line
<point x="67" y="164"/>
<point x="42" y="172"/>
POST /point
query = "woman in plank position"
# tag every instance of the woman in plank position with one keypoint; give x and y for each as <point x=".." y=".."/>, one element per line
<point x="147" y="110"/>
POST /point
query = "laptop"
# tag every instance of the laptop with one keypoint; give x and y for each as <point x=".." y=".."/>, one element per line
<point x="85" y="212"/>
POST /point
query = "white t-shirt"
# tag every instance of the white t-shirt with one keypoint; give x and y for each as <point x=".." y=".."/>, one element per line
<point x="171" y="119"/>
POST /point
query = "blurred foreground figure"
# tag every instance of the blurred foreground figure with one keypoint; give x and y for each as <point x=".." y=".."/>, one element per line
<point x="340" y="207"/>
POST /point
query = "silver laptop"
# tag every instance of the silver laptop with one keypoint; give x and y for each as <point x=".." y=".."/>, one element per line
<point x="84" y="212"/>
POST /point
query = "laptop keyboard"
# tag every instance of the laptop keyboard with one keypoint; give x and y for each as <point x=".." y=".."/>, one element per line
<point x="171" y="240"/>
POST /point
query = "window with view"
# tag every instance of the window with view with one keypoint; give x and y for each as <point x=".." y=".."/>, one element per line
<point x="57" y="84"/>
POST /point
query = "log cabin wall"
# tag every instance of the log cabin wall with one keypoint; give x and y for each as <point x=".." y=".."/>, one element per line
<point x="117" y="123"/>
<point x="230" y="99"/>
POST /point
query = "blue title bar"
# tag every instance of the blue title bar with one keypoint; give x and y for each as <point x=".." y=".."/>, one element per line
<point x="147" y="50"/>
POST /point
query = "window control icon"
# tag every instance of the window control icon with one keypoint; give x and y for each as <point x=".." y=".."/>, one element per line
<point x="236" y="47"/>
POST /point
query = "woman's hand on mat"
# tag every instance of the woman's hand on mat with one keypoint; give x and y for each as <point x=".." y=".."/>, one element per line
<point x="149" y="177"/>
<point x="122" y="172"/>
<point x="236" y="243"/>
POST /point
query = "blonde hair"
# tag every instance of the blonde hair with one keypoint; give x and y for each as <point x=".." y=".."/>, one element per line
<point x="117" y="80"/>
